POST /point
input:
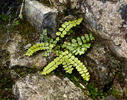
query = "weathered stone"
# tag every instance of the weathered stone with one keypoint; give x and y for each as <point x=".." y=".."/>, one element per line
<point x="18" y="58"/>
<point x="110" y="98"/>
<point x="40" y="16"/>
<point x="102" y="65"/>
<point x="119" y="88"/>
<point x="73" y="3"/>
<point x="109" y="20"/>
<point x="36" y="87"/>
<point x="62" y="5"/>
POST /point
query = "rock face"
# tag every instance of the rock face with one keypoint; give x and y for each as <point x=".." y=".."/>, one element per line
<point x="110" y="98"/>
<point x="108" y="19"/>
<point x="40" y="16"/>
<point x="18" y="58"/>
<point x="102" y="65"/>
<point x="36" y="87"/>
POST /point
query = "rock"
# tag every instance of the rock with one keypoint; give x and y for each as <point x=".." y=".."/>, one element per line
<point x="36" y="87"/>
<point x="40" y="16"/>
<point x="119" y="88"/>
<point x="110" y="98"/>
<point x="102" y="66"/>
<point x="63" y="5"/>
<point x="73" y="3"/>
<point x="108" y="19"/>
<point x="27" y="46"/>
<point x="18" y="58"/>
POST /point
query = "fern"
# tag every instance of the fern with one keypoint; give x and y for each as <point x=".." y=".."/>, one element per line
<point x="38" y="47"/>
<point x="73" y="61"/>
<point x="68" y="61"/>
<point x="80" y="45"/>
<point x="49" y="43"/>
<point x="52" y="66"/>
<point x="66" y="28"/>
<point x="65" y="59"/>
<point x="44" y="37"/>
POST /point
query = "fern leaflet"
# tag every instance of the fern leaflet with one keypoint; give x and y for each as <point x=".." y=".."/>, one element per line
<point x="80" y="45"/>
<point x="38" y="47"/>
<point x="66" y="28"/>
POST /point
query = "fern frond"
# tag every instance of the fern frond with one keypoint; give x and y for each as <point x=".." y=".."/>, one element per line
<point x="44" y="37"/>
<point x="68" y="61"/>
<point x="73" y="61"/>
<point x="66" y="28"/>
<point x="38" y="47"/>
<point x="67" y="65"/>
<point x="52" y="66"/>
<point x="80" y="45"/>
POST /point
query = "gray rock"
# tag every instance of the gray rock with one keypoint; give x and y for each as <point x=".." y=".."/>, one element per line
<point x="18" y="58"/>
<point x="36" y="87"/>
<point x="73" y="3"/>
<point x="40" y="16"/>
<point x="110" y="98"/>
<point x="102" y="65"/>
<point x="61" y="5"/>
<point x="108" y="19"/>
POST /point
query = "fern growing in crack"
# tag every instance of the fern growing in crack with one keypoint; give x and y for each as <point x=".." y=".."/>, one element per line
<point x="80" y="45"/>
<point x="68" y="61"/>
<point x="44" y="37"/>
<point x="66" y="57"/>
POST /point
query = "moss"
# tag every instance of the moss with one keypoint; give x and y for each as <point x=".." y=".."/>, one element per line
<point x="27" y="31"/>
<point x="23" y="71"/>
<point x="3" y="35"/>
<point x="28" y="34"/>
<point x="126" y="92"/>
<point x="4" y="18"/>
<point x="6" y="83"/>
<point x="115" y="93"/>
<point x="95" y="93"/>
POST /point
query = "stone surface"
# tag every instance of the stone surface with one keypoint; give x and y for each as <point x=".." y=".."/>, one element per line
<point x="63" y="5"/>
<point x="17" y="55"/>
<point x="36" y="87"/>
<point x="40" y="16"/>
<point x="110" y="98"/>
<point x="102" y="66"/>
<point x="108" y="19"/>
<point x="119" y="88"/>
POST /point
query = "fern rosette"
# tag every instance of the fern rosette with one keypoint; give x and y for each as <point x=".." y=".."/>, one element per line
<point x="66" y="58"/>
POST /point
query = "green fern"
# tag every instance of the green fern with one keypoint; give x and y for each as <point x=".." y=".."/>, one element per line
<point x="52" y="66"/>
<point x="44" y="37"/>
<point x="38" y="47"/>
<point x="49" y="43"/>
<point x="66" y="28"/>
<point x="80" y="45"/>
<point x="66" y="59"/>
